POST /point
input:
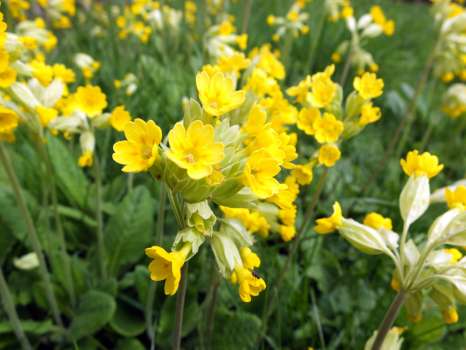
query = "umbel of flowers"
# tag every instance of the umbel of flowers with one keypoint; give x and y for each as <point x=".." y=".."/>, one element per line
<point x="228" y="165"/>
<point x="433" y="267"/>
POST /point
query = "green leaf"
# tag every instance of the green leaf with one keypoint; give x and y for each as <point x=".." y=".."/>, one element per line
<point x="69" y="176"/>
<point x="129" y="230"/>
<point x="129" y="344"/>
<point x="128" y="321"/>
<point x="95" y="310"/>
<point x="235" y="330"/>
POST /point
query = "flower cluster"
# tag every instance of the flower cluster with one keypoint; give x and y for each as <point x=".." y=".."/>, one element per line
<point x="222" y="40"/>
<point x="325" y="116"/>
<point x="436" y="268"/>
<point x="143" y="17"/>
<point x="293" y="24"/>
<point x="449" y="53"/>
<point x="368" y="26"/>
<point x="454" y="101"/>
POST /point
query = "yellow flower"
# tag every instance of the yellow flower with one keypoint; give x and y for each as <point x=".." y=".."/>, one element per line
<point x="250" y="259"/>
<point x="141" y="149"/>
<point x="301" y="90"/>
<point x="369" y="114"/>
<point x="90" y="100"/>
<point x="329" y="155"/>
<point x="259" y="174"/>
<point x="256" y="122"/>
<point x="46" y="115"/>
<point x="336" y="57"/>
<point x="368" y="86"/>
<point x="307" y="118"/>
<point x="195" y="149"/>
<point x="8" y="120"/>
<point x="287" y="232"/>
<point x="323" y="89"/>
<point x="249" y="284"/>
<point x="242" y="41"/>
<point x="119" y="118"/>
<point x="303" y="174"/>
<point x="167" y="266"/>
<point x="86" y="159"/>
<point x="455" y="255"/>
<point x="217" y="93"/>
<point x="41" y="72"/>
<point x="331" y="223"/>
<point x="424" y="164"/>
<point x="328" y="128"/>
<point x="271" y="20"/>
<point x="377" y="221"/>
<point x="456" y="198"/>
<point x="7" y="77"/>
<point x="450" y="315"/>
<point x="270" y="63"/>
<point x="65" y="74"/>
<point x="226" y="28"/>
<point x="233" y="63"/>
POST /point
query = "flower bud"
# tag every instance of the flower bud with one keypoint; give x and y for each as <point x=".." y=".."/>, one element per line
<point x="22" y="92"/>
<point x="392" y="341"/>
<point x="363" y="238"/>
<point x="201" y="217"/>
<point x="191" y="236"/>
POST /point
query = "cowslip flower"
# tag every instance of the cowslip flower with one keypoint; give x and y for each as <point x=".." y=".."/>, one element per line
<point x="141" y="149"/>
<point x="377" y="221"/>
<point x="249" y="284"/>
<point x="90" y="100"/>
<point x="8" y="120"/>
<point x="259" y="174"/>
<point x="456" y="198"/>
<point x="217" y="93"/>
<point x="167" y="266"/>
<point x="424" y="164"/>
<point x="306" y="119"/>
<point x="328" y="128"/>
<point x="195" y="149"/>
<point x="369" y="114"/>
<point x="119" y="118"/>
<point x="331" y="223"/>
<point x="323" y="89"/>
<point x="46" y="115"/>
<point x="368" y="86"/>
<point x="328" y="155"/>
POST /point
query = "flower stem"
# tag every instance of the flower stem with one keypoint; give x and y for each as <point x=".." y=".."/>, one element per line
<point x="152" y="288"/>
<point x="10" y="309"/>
<point x="346" y="68"/>
<point x="50" y="295"/>
<point x="388" y="320"/>
<point x="211" y="307"/>
<point x="99" y="218"/>
<point x="270" y="303"/>
<point x="180" y="301"/>
<point x="246" y="16"/>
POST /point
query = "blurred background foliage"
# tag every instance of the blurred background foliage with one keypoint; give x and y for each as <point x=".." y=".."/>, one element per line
<point x="332" y="293"/>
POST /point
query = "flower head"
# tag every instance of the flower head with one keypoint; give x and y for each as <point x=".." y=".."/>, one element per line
<point x="167" y="266"/>
<point x="140" y="149"/>
<point x="331" y="223"/>
<point x="456" y="198"/>
<point x="424" y="164"/>
<point x="327" y="128"/>
<point x="329" y="155"/>
<point x="195" y="149"/>
<point x="90" y="100"/>
<point x="249" y="283"/>
<point x="369" y="114"/>
<point x="307" y="118"/>
<point x="323" y="89"/>
<point x="217" y="93"/>
<point x="119" y="118"/>
<point x="377" y="221"/>
<point x="8" y="120"/>
<point x="368" y="86"/>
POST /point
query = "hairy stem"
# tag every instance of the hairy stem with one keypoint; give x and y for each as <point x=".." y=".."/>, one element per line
<point x="246" y="16"/>
<point x="389" y="319"/>
<point x="152" y="288"/>
<point x="180" y="301"/>
<point x="32" y="234"/>
<point x="10" y="309"/>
